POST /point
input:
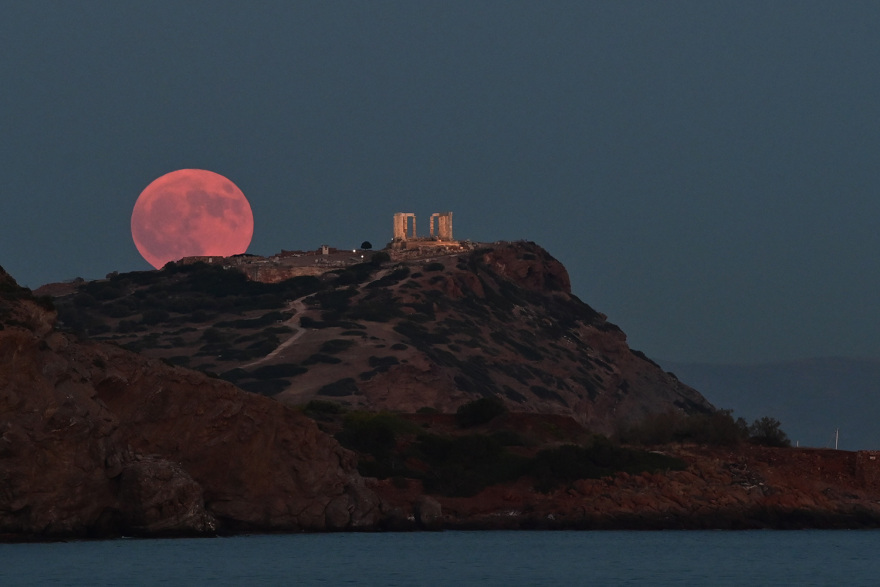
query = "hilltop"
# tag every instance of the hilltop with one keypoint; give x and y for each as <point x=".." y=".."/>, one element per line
<point x="406" y="331"/>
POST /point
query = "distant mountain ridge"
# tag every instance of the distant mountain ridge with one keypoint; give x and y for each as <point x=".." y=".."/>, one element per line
<point x="811" y="397"/>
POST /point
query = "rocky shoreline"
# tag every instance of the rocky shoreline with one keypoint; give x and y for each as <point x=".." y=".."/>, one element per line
<point x="741" y="488"/>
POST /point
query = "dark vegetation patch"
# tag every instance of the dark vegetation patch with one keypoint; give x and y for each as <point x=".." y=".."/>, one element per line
<point x="514" y="395"/>
<point x="323" y="410"/>
<point x="377" y="306"/>
<point x="268" y="387"/>
<point x="277" y="370"/>
<point x="383" y="363"/>
<point x="393" y="278"/>
<point x="322" y="358"/>
<point x="336" y="346"/>
<point x="464" y="326"/>
<point x="479" y="412"/>
<point x="309" y="322"/>
<point x="426" y="309"/>
<point x="421" y="337"/>
<point x="463" y="466"/>
<point x="261" y="322"/>
<point x="518" y="372"/>
<point x="234" y="375"/>
<point x="544" y="393"/>
<point x="380" y="258"/>
<point x="717" y="428"/>
<point x="153" y="316"/>
<point x="562" y="465"/>
<point x="375" y="435"/>
<point x="528" y="352"/>
<point x="589" y="385"/>
<point x="353" y="333"/>
<point x="355" y="274"/>
<point x="133" y="303"/>
<point x="332" y="300"/>
<point x="343" y="387"/>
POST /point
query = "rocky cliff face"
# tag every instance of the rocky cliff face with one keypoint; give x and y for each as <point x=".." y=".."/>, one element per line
<point x="98" y="441"/>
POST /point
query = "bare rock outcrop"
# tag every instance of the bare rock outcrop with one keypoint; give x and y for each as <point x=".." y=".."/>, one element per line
<point x="99" y="441"/>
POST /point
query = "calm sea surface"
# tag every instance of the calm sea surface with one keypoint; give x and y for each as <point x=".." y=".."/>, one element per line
<point x="458" y="558"/>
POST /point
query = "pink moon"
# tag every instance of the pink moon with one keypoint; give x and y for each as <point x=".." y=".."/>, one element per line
<point x="188" y="213"/>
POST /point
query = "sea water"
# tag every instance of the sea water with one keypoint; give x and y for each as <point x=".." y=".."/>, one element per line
<point x="458" y="558"/>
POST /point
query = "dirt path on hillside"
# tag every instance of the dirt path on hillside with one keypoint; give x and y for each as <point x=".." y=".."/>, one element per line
<point x="298" y="306"/>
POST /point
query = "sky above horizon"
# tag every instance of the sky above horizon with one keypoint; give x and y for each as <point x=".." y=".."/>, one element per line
<point x="706" y="171"/>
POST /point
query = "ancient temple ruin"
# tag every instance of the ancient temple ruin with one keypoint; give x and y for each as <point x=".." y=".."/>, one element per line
<point x="440" y="227"/>
<point x="440" y="231"/>
<point x="402" y="226"/>
<point x="444" y="224"/>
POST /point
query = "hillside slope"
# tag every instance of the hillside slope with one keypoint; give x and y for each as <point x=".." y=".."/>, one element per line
<point x="431" y="332"/>
<point x="99" y="441"/>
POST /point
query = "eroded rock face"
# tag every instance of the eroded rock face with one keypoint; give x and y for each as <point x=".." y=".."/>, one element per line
<point x="261" y="466"/>
<point x="98" y="441"/>
<point x="529" y="266"/>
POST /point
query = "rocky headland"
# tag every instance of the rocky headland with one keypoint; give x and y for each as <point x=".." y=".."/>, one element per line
<point x="468" y="389"/>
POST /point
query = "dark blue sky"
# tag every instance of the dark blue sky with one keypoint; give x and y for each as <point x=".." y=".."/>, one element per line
<point x="707" y="171"/>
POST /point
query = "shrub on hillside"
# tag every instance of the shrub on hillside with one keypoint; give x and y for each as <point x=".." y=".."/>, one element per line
<point x="343" y="387"/>
<point x="463" y="466"/>
<point x="323" y="410"/>
<point x="564" y="464"/>
<point x="375" y="435"/>
<point x="336" y="345"/>
<point x="154" y="316"/>
<point x="380" y="258"/>
<point x="479" y="412"/>
<point x="717" y="428"/>
<point x="268" y="387"/>
<point x="768" y="432"/>
<point x="322" y="358"/>
<point x="278" y="370"/>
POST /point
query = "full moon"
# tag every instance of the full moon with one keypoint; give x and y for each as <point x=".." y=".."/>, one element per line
<point x="188" y="213"/>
